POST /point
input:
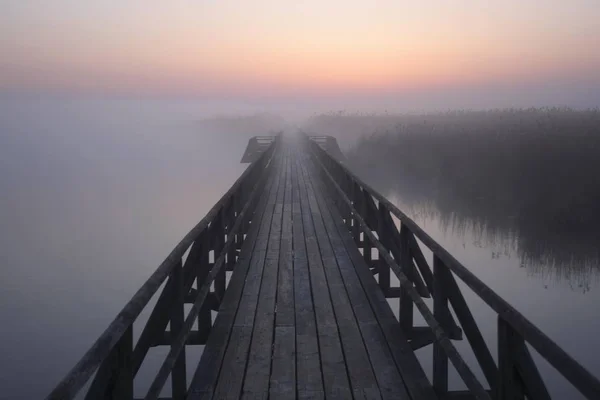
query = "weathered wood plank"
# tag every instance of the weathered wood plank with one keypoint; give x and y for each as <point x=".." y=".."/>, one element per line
<point x="308" y="367"/>
<point x="282" y="382"/>
<point x="285" y="285"/>
<point x="335" y="377"/>
<point x="256" y="380"/>
<point x="283" y="375"/>
<point x="360" y="370"/>
<point x="205" y="377"/>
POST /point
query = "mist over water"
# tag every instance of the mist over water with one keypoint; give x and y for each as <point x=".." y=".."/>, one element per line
<point x="96" y="192"/>
<point x="94" y="195"/>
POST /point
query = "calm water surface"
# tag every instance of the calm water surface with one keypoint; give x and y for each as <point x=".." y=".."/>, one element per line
<point x="94" y="195"/>
<point x="561" y="298"/>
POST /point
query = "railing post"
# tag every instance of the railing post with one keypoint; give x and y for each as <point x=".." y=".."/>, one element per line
<point x="237" y="206"/>
<point x="204" y="316"/>
<point x="357" y="200"/>
<point x="114" y="379"/>
<point x="347" y="185"/>
<point x="385" y="236"/>
<point x="364" y="210"/>
<point x="406" y="304"/>
<point x="219" y="241"/>
<point x="232" y="253"/>
<point x="178" y="374"/>
<point x="442" y="316"/>
<point x="509" y="341"/>
<point x="351" y="196"/>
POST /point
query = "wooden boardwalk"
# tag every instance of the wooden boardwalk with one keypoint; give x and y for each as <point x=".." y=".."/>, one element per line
<point x="296" y="260"/>
<point x="303" y="315"/>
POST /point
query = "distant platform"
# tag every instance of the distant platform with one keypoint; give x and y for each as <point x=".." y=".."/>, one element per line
<point x="258" y="144"/>
<point x="330" y="145"/>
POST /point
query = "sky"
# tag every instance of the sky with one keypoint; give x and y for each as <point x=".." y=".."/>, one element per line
<point x="373" y="49"/>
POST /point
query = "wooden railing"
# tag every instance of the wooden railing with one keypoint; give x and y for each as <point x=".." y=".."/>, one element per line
<point x="373" y="222"/>
<point x="203" y="256"/>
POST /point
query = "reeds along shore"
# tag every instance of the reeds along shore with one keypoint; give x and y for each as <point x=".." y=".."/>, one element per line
<point x="533" y="171"/>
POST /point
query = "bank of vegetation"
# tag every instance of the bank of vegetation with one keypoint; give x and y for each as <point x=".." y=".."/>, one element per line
<point x="534" y="171"/>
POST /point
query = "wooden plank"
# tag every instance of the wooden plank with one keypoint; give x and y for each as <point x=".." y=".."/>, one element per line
<point x="283" y="383"/>
<point x="231" y="378"/>
<point x="386" y="373"/>
<point x="283" y="375"/>
<point x="462" y="395"/>
<point x="285" y="287"/>
<point x="256" y="380"/>
<point x="360" y="371"/>
<point x="206" y="375"/>
<point x="309" y="381"/>
<point x="413" y="375"/>
<point x="335" y="377"/>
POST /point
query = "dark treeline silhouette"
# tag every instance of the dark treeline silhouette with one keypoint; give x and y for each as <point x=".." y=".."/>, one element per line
<point x="534" y="173"/>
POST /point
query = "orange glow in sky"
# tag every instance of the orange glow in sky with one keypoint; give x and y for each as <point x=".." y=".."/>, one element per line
<point x="313" y="47"/>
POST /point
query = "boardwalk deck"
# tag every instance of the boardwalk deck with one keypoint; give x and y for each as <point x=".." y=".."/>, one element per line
<point x="303" y="316"/>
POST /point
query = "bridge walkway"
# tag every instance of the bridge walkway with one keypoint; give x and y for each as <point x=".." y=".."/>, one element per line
<point x="303" y="316"/>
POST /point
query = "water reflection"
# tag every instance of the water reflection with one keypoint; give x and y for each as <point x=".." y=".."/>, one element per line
<point x="555" y="293"/>
<point x="572" y="258"/>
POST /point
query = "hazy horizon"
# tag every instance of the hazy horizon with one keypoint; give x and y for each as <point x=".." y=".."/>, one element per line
<point x="310" y="57"/>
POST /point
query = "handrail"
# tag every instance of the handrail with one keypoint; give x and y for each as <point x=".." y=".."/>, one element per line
<point x="574" y="372"/>
<point x="462" y="368"/>
<point x="77" y="377"/>
<point x="167" y="366"/>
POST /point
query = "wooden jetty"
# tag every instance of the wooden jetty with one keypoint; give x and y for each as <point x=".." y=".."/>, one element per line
<point x="297" y="259"/>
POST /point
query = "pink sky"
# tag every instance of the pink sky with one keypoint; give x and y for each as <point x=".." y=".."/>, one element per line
<point x="265" y="47"/>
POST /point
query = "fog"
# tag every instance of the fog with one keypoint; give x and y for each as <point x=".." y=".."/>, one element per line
<point x="97" y="190"/>
<point x="95" y="193"/>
